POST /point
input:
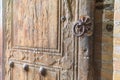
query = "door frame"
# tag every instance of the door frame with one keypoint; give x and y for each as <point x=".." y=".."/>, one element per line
<point x="3" y="38"/>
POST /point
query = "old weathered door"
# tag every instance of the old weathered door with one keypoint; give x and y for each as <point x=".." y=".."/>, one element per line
<point x="42" y="42"/>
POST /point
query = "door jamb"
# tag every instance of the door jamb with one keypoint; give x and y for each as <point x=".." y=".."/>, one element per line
<point x="3" y="37"/>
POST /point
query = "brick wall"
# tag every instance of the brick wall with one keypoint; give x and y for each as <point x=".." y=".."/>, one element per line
<point x="103" y="39"/>
<point x="116" y="51"/>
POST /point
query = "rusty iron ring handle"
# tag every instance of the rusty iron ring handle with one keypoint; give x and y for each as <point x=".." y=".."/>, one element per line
<point x="82" y="26"/>
<point x="77" y="24"/>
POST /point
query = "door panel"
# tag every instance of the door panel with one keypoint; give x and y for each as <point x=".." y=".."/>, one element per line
<point x="52" y="73"/>
<point x="35" y="34"/>
<point x="40" y="33"/>
<point x="36" y="23"/>
<point x="18" y="72"/>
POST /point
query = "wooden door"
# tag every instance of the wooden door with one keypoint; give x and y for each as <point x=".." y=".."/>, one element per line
<point x="39" y="40"/>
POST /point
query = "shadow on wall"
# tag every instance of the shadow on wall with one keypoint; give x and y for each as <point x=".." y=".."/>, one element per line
<point x="103" y="41"/>
<point x="98" y="43"/>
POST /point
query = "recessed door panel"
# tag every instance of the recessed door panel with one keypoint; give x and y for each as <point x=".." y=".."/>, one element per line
<point x="36" y="24"/>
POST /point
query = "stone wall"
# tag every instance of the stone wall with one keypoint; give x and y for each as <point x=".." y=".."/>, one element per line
<point x="116" y="52"/>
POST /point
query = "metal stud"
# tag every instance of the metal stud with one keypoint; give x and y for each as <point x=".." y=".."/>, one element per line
<point x="109" y="27"/>
<point x="42" y="71"/>
<point x="11" y="64"/>
<point x="26" y="67"/>
<point x="63" y="18"/>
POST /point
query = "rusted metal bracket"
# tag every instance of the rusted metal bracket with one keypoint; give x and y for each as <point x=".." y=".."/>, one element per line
<point x="83" y="27"/>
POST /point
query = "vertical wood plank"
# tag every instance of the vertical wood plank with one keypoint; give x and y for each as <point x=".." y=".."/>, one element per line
<point x="85" y="54"/>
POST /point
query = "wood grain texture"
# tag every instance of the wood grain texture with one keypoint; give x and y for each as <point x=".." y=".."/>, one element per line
<point x="85" y="52"/>
<point x="35" y="35"/>
<point x="36" y="23"/>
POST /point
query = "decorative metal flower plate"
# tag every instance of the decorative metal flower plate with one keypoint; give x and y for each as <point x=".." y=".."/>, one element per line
<point x="83" y="27"/>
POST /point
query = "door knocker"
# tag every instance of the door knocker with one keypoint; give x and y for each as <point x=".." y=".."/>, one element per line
<point x="83" y="27"/>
